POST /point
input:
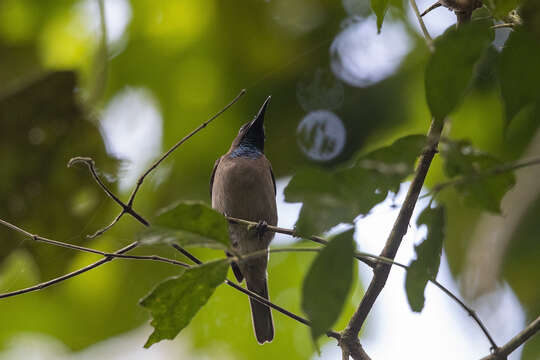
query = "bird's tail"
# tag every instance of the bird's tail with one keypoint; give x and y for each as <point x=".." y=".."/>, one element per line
<point x="263" y="325"/>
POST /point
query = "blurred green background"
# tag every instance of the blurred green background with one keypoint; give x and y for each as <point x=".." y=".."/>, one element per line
<point x="169" y="65"/>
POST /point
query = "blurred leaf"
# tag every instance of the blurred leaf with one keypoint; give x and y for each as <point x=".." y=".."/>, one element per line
<point x="333" y="197"/>
<point x="501" y="8"/>
<point x="175" y="301"/>
<point x="428" y="257"/>
<point x="379" y="8"/>
<point x="478" y="190"/>
<point x="327" y="283"/>
<point x="43" y="126"/>
<point x="191" y="223"/>
<point x="450" y="68"/>
<point x="530" y="14"/>
<point x="519" y="72"/>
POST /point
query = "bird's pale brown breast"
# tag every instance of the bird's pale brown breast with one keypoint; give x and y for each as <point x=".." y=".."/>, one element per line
<point x="243" y="188"/>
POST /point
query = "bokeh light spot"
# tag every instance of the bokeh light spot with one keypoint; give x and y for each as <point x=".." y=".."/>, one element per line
<point x="361" y="57"/>
<point x="321" y="135"/>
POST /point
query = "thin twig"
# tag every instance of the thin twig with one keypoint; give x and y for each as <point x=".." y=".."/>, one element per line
<point x="487" y="173"/>
<point x="429" y="39"/>
<point x="92" y="167"/>
<point x="128" y="208"/>
<point x="291" y="232"/>
<point x="164" y="156"/>
<point x="71" y="274"/>
<point x="90" y="250"/>
<point x="429" y="9"/>
<point x="504" y="25"/>
<point x="515" y="342"/>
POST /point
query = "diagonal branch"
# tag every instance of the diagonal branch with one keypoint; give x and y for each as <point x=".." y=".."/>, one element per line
<point x="71" y="274"/>
<point x="92" y="168"/>
<point x="381" y="271"/>
<point x="164" y="156"/>
<point x="518" y="340"/>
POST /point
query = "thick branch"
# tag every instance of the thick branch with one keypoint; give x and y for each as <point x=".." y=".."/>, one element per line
<point x="515" y="342"/>
<point x="381" y="271"/>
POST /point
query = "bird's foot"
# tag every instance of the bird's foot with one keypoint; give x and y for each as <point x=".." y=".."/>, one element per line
<point x="261" y="228"/>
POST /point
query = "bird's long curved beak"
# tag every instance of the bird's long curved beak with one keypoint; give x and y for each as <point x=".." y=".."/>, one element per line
<point x="258" y="121"/>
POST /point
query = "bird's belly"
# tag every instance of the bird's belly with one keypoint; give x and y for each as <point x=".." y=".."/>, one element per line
<point x="245" y="191"/>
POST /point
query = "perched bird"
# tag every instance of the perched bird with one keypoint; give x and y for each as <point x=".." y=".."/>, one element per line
<point x="242" y="185"/>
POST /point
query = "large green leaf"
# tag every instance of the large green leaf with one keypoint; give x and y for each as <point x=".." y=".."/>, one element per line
<point x="428" y="257"/>
<point x="175" y="301"/>
<point x="190" y="223"/>
<point x="333" y="197"/>
<point x="379" y="8"/>
<point x="328" y="282"/>
<point x="519" y="72"/>
<point x="478" y="188"/>
<point x="450" y="68"/>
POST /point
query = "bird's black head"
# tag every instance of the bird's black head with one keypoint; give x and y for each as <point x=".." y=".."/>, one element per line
<point x="251" y="134"/>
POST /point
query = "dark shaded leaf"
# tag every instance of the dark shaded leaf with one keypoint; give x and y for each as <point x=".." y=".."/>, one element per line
<point x="450" y="68"/>
<point x="379" y="8"/>
<point x="428" y="257"/>
<point x="478" y="189"/>
<point x="333" y="197"/>
<point x="519" y="72"/>
<point x="328" y="282"/>
<point x="175" y="301"/>
<point x="190" y="223"/>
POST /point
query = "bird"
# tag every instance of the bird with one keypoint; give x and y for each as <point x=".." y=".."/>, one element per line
<point x="242" y="185"/>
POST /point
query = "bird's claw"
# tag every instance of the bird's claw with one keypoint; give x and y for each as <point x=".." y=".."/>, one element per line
<point x="261" y="227"/>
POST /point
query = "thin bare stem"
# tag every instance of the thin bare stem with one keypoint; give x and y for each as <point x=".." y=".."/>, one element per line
<point x="431" y="8"/>
<point x="164" y="156"/>
<point x="71" y="274"/>
<point x="515" y="342"/>
<point x="89" y="250"/>
<point x="317" y="239"/>
<point x="502" y="26"/>
<point x="92" y="167"/>
<point x="429" y="39"/>
<point x="504" y="168"/>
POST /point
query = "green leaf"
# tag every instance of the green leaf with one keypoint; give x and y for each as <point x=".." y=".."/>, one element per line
<point x="478" y="189"/>
<point x="501" y="8"/>
<point x="328" y="282"/>
<point x="519" y="72"/>
<point x="450" y="68"/>
<point x="379" y="8"/>
<point x="190" y="223"/>
<point x="175" y="301"/>
<point x="428" y="257"/>
<point x="333" y="197"/>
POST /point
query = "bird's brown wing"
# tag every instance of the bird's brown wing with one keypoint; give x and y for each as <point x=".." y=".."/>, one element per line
<point x="273" y="178"/>
<point x="214" y="174"/>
